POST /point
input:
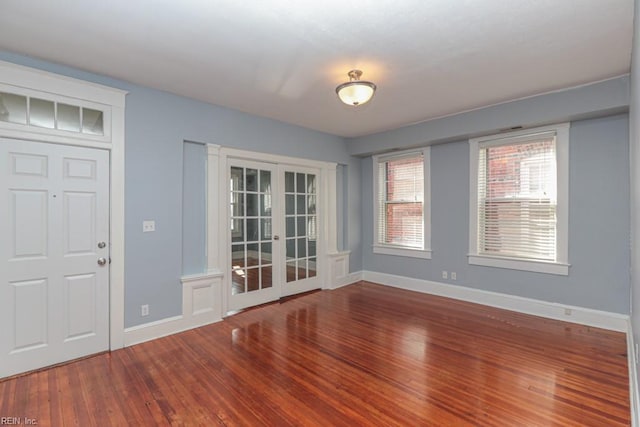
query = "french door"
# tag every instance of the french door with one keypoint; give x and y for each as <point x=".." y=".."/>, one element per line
<point x="301" y="230"/>
<point x="273" y="232"/>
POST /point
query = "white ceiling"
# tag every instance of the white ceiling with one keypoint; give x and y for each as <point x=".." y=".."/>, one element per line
<point x="283" y="58"/>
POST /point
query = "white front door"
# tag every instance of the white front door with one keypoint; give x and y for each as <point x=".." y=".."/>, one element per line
<point x="54" y="254"/>
<point x="273" y="230"/>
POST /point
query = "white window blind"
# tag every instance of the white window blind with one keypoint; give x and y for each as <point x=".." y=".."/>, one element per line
<point x="401" y="201"/>
<point x="517" y="197"/>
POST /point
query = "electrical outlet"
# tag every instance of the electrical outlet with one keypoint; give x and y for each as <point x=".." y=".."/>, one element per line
<point x="444" y="274"/>
<point x="144" y="310"/>
<point x="148" y="225"/>
<point x="568" y="312"/>
<point x="454" y="276"/>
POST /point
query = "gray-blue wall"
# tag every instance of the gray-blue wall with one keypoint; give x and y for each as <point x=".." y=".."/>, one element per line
<point x="598" y="224"/>
<point x="157" y="124"/>
<point x="194" y="208"/>
<point x="594" y="100"/>
<point x="634" y="125"/>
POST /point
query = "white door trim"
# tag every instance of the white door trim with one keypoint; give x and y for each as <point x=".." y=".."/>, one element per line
<point x="217" y="188"/>
<point x="60" y="88"/>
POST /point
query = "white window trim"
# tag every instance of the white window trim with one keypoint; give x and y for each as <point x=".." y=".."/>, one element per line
<point x="561" y="265"/>
<point x="387" y="249"/>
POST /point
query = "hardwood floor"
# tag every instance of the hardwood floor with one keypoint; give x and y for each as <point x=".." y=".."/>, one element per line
<point x="360" y="355"/>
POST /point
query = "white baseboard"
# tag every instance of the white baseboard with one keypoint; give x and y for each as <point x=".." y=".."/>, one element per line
<point x="580" y="315"/>
<point x="152" y="330"/>
<point x="201" y="305"/>
<point x="633" y="377"/>
<point x="349" y="279"/>
<point x="161" y="328"/>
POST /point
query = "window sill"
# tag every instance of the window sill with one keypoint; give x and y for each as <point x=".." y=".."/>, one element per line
<point x="557" y="268"/>
<point x="406" y="252"/>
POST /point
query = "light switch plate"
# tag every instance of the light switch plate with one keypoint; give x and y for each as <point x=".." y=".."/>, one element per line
<point x="148" y="225"/>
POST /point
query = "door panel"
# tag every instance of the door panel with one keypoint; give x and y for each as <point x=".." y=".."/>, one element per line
<point x="301" y="230"/>
<point x="251" y="206"/>
<point x="28" y="221"/>
<point x="79" y="308"/>
<point x="29" y="314"/>
<point x="54" y="211"/>
<point x="79" y="227"/>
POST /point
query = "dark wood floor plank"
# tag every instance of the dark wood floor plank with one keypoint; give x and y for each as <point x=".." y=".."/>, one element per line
<point x="364" y="354"/>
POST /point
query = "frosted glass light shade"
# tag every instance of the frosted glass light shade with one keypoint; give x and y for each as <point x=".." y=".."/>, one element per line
<point x="355" y="92"/>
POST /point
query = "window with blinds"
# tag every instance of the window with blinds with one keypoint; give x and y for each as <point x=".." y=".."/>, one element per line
<point x="517" y="198"/>
<point x="400" y="218"/>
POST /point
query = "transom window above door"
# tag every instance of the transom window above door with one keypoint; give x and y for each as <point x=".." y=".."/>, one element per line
<point x="21" y="109"/>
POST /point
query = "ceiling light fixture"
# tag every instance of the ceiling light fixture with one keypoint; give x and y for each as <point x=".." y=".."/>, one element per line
<point x="355" y="91"/>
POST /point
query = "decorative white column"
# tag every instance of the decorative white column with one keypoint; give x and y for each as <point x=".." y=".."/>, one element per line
<point x="213" y="209"/>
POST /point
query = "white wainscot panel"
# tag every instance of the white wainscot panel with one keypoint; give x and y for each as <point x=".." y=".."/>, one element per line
<point x="202" y="299"/>
<point x="339" y="268"/>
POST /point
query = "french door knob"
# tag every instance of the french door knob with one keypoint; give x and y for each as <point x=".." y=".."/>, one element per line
<point x="101" y="245"/>
<point x="276" y="237"/>
<point x="102" y="261"/>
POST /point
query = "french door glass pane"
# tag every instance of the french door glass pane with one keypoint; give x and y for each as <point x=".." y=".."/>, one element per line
<point x="251" y="219"/>
<point x="290" y="204"/>
<point x="290" y="227"/>
<point x="265" y="229"/>
<point x="252" y="205"/>
<point x="252" y="180"/>
<point x="300" y="225"/>
<point x="237" y="230"/>
<point x="302" y="269"/>
<point x="265" y="276"/>
<point x="253" y="256"/>
<point x="237" y="179"/>
<point x="312" y="267"/>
